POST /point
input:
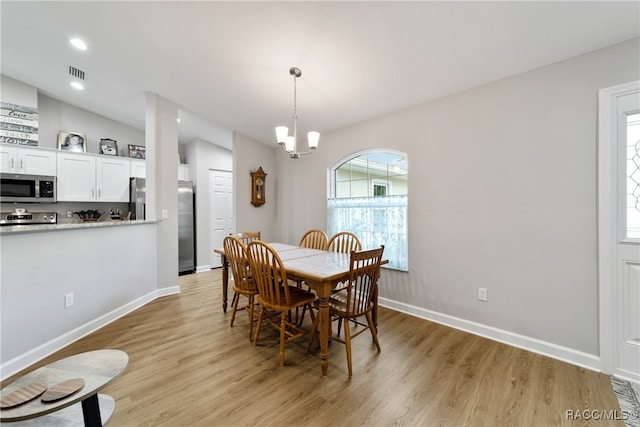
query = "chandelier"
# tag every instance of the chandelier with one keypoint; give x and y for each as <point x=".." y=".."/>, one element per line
<point x="290" y="143"/>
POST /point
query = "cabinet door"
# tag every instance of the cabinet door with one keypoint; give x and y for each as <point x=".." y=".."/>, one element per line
<point x="183" y="173"/>
<point x="138" y="168"/>
<point x="76" y="178"/>
<point x="36" y="162"/>
<point x="112" y="180"/>
<point x="8" y="160"/>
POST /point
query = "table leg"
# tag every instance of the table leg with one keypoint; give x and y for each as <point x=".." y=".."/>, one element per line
<point x="325" y="323"/>
<point x="374" y="312"/>
<point x="91" y="411"/>
<point x="225" y="281"/>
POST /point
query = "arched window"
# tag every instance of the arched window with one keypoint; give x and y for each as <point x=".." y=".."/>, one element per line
<point x="368" y="196"/>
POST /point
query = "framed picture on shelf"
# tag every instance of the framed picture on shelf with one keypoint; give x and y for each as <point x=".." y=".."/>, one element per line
<point x="108" y="147"/>
<point x="137" y="151"/>
<point x="72" y="141"/>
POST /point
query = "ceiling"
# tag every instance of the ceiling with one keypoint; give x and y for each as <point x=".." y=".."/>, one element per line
<point x="226" y="64"/>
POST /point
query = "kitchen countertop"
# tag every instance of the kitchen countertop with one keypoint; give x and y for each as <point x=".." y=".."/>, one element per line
<point x="15" y="229"/>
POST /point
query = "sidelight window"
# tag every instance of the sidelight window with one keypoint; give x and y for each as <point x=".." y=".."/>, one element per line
<point x="632" y="159"/>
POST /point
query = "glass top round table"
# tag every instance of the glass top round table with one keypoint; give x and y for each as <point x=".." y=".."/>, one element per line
<point x="96" y="368"/>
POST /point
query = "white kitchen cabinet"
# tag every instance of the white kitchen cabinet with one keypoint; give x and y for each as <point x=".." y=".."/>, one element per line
<point x="138" y="168"/>
<point x="30" y="161"/>
<point x="183" y="172"/>
<point x="112" y="179"/>
<point x="85" y="178"/>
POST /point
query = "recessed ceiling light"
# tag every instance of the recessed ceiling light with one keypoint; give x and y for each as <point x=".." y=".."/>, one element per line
<point x="178" y="120"/>
<point x="79" y="44"/>
<point x="77" y="85"/>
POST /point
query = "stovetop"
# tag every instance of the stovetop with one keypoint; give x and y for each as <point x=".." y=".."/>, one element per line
<point x="21" y="217"/>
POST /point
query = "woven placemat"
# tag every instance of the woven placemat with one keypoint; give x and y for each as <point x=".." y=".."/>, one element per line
<point x="62" y="390"/>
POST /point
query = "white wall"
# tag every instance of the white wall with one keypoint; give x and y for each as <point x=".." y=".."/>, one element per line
<point x="502" y="195"/>
<point x="110" y="271"/>
<point x="203" y="156"/>
<point x="16" y="92"/>
<point x="249" y="155"/>
<point x="57" y="115"/>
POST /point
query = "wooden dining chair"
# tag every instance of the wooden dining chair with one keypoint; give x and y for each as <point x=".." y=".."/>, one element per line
<point x="276" y="295"/>
<point x="247" y="236"/>
<point x="356" y="300"/>
<point x="314" y="239"/>
<point x="345" y="242"/>
<point x="243" y="283"/>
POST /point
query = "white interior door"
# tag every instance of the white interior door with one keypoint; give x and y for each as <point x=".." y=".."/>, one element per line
<point x="220" y="211"/>
<point x="619" y="229"/>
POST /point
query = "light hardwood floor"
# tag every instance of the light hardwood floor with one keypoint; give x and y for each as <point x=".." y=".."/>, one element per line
<point x="187" y="367"/>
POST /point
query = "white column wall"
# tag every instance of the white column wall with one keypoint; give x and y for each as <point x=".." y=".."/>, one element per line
<point x="161" y="139"/>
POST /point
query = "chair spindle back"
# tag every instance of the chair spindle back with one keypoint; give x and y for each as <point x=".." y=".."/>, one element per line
<point x="363" y="278"/>
<point x="344" y="242"/>
<point x="269" y="274"/>
<point x="314" y="239"/>
<point x="236" y="253"/>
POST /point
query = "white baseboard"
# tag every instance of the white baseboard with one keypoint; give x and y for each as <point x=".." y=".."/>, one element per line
<point x="171" y="290"/>
<point x="534" y="345"/>
<point x="202" y="268"/>
<point x="27" y="359"/>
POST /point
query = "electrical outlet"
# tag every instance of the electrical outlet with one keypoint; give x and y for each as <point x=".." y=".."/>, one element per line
<point x="482" y="294"/>
<point x="68" y="300"/>
<point x="165" y="214"/>
<point x="69" y="214"/>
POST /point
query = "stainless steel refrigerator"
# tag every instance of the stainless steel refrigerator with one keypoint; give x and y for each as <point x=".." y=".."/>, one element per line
<point x="186" y="219"/>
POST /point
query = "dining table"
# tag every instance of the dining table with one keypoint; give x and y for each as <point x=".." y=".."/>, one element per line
<point x="321" y="270"/>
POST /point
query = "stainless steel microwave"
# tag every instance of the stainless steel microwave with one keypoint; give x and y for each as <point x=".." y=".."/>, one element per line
<point x="27" y="188"/>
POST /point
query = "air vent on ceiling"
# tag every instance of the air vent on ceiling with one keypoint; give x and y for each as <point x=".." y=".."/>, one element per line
<point x="76" y="73"/>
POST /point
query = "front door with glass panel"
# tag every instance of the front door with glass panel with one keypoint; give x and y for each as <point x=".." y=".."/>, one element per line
<point x="619" y="229"/>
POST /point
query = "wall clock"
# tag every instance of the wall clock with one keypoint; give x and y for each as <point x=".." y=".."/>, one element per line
<point x="258" y="178"/>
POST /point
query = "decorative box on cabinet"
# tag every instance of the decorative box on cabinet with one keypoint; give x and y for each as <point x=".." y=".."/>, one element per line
<point x="30" y="161"/>
<point x="85" y="178"/>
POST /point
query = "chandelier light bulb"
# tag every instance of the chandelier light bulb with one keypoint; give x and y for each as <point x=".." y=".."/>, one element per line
<point x="313" y="137"/>
<point x="281" y="134"/>
<point x="290" y="144"/>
